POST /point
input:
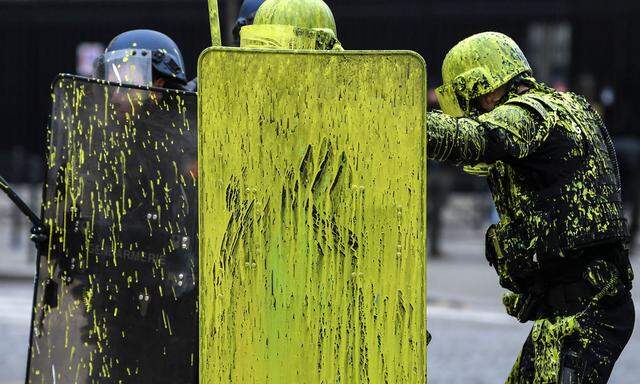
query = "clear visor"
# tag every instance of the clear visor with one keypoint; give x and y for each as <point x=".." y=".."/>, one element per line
<point x="287" y="37"/>
<point x="449" y="101"/>
<point x="129" y="66"/>
<point x="275" y="36"/>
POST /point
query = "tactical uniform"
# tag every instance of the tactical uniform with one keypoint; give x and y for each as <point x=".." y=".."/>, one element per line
<point x="560" y="246"/>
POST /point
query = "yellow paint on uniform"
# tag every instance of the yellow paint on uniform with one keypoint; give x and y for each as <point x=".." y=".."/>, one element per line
<point x="312" y="217"/>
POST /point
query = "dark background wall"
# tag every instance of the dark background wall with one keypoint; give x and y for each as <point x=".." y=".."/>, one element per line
<point x="38" y="39"/>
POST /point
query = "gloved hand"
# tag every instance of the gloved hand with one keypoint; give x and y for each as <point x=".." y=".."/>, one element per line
<point x="40" y="237"/>
<point x="512" y="303"/>
<point x="192" y="86"/>
<point x="524" y="307"/>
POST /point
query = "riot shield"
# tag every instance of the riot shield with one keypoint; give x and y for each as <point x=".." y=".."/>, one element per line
<point x="313" y="217"/>
<point x="116" y="294"/>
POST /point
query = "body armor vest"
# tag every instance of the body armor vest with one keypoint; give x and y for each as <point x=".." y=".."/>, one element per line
<point x="565" y="196"/>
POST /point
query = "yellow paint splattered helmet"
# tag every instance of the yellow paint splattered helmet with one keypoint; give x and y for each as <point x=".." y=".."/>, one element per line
<point x="311" y="14"/>
<point x="477" y="66"/>
<point x="292" y="24"/>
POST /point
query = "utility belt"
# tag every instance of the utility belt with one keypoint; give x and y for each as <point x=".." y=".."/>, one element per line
<point x="601" y="284"/>
<point x="557" y="285"/>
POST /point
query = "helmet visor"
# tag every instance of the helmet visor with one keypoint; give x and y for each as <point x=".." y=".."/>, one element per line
<point x="287" y="37"/>
<point x="129" y="66"/>
<point x="449" y="101"/>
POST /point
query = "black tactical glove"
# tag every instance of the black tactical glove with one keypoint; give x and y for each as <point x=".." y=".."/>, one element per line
<point x="523" y="306"/>
<point x="512" y="303"/>
<point x="40" y="237"/>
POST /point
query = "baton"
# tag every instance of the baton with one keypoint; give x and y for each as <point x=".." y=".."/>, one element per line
<point x="22" y="206"/>
<point x="214" y="23"/>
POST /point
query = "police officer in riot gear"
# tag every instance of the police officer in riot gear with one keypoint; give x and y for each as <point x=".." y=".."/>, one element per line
<point x="292" y="24"/>
<point x="560" y="245"/>
<point x="139" y="57"/>
<point x="143" y="322"/>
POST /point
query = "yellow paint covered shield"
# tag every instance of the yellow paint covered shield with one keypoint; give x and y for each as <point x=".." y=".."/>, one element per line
<point x="312" y="217"/>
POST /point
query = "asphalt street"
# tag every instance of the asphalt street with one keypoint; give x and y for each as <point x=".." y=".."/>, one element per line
<point x="15" y="310"/>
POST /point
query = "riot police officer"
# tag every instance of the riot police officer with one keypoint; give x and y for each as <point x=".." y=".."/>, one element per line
<point x="292" y="24"/>
<point x="142" y="325"/>
<point x="138" y="57"/>
<point x="560" y="245"/>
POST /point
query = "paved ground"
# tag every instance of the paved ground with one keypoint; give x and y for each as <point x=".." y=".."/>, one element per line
<point x="474" y="341"/>
<point x="15" y="306"/>
<point x="17" y="254"/>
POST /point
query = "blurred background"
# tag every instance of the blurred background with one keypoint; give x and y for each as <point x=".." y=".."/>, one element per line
<point x="590" y="47"/>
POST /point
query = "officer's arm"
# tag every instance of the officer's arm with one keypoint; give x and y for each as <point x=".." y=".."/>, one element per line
<point x="508" y="132"/>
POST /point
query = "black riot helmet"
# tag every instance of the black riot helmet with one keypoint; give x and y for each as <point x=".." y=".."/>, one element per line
<point x="245" y="17"/>
<point x="140" y="57"/>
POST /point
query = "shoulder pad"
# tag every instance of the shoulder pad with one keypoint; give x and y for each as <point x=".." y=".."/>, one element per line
<point x="527" y="117"/>
<point x="535" y="103"/>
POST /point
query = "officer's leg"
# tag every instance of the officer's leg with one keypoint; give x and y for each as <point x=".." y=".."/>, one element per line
<point x="590" y="358"/>
<point x="523" y="369"/>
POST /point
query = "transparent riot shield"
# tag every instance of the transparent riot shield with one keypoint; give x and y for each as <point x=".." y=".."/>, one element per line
<point x="116" y="294"/>
<point x="313" y="217"/>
